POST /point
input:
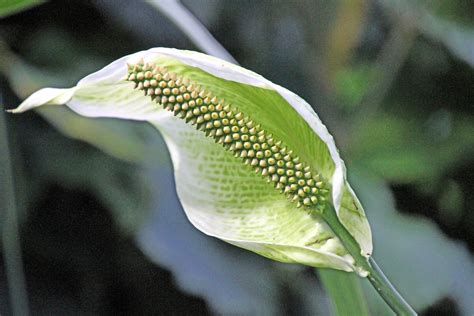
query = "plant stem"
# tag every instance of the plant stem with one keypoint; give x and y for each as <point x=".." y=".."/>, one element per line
<point x="10" y="236"/>
<point x="375" y="275"/>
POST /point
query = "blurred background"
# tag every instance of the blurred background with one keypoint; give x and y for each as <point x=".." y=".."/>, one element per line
<point x="100" y="228"/>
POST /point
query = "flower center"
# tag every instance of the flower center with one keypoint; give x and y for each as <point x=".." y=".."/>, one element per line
<point x="234" y="130"/>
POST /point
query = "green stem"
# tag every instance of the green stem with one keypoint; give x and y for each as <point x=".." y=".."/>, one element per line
<point x="375" y="275"/>
<point x="9" y="229"/>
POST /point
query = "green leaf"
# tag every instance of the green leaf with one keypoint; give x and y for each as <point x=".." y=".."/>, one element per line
<point x="345" y="291"/>
<point x="221" y="196"/>
<point x="8" y="7"/>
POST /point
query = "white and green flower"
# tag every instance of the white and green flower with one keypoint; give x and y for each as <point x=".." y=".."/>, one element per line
<point x="254" y="165"/>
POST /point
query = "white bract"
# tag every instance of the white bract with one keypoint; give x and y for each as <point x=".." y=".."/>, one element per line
<point x="221" y="196"/>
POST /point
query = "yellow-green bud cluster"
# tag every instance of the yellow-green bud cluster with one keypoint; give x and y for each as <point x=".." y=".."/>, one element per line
<point x="235" y="131"/>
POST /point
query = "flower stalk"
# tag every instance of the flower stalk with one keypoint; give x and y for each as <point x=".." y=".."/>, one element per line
<point x="375" y="275"/>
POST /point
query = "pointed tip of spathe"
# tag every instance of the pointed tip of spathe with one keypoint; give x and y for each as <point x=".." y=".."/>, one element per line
<point x="14" y="111"/>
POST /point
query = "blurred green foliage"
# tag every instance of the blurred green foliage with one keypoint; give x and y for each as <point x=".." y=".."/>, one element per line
<point x="393" y="80"/>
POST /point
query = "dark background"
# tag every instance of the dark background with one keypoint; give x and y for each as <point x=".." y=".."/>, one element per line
<point x="393" y="81"/>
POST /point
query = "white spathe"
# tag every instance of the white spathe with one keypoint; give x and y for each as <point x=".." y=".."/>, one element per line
<point x="220" y="197"/>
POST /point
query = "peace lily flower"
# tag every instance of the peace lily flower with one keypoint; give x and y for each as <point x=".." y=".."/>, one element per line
<point x="254" y="165"/>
